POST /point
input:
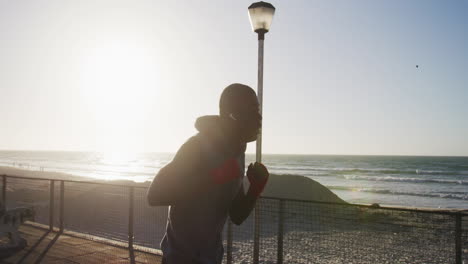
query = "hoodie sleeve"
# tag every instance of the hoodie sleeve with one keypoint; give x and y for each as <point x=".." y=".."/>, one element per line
<point x="180" y="179"/>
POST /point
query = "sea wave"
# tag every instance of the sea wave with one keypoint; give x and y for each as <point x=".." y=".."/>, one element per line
<point x="405" y="179"/>
<point x="446" y="195"/>
<point x="396" y="171"/>
<point x="375" y="171"/>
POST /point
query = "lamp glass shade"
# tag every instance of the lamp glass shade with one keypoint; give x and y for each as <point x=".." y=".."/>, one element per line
<point x="261" y="16"/>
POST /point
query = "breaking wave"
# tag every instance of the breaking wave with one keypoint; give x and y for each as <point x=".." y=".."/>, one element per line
<point x="405" y="179"/>
<point x="446" y="195"/>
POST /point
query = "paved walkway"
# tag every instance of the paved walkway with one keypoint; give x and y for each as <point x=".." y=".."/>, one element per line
<point x="52" y="247"/>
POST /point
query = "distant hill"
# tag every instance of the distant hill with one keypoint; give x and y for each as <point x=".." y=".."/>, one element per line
<point x="299" y="187"/>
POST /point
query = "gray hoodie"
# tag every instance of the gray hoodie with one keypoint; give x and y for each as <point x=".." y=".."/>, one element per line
<point x="195" y="223"/>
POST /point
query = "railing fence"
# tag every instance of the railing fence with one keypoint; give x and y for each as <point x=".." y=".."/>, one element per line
<point x="280" y="230"/>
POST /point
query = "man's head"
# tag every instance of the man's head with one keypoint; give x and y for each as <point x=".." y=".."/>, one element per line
<point x="239" y="107"/>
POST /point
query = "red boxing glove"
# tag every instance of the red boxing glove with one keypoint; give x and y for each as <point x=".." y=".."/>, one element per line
<point x="225" y="173"/>
<point x="258" y="175"/>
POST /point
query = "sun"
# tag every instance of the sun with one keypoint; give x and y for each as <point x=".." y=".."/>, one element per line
<point x="119" y="84"/>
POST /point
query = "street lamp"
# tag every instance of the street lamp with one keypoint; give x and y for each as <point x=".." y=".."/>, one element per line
<point x="261" y="16"/>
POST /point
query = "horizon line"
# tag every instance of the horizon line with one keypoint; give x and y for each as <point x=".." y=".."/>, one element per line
<point x="248" y="153"/>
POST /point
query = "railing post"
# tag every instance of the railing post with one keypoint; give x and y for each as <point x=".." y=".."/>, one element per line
<point x="62" y="205"/>
<point x="130" y="219"/>
<point x="229" y="243"/>
<point x="279" y="258"/>
<point x="4" y="182"/>
<point x="458" y="241"/>
<point x="51" y="204"/>
<point x="256" y="249"/>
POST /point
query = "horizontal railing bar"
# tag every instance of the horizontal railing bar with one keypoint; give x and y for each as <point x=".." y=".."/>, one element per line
<point x="324" y="216"/>
<point x="397" y="224"/>
<point x="74" y="181"/>
<point x="408" y="209"/>
<point x="394" y="208"/>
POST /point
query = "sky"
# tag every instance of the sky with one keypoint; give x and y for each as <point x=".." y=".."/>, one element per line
<point x="340" y="77"/>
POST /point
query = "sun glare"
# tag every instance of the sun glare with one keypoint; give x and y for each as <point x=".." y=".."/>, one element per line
<point x="119" y="162"/>
<point x="119" y="83"/>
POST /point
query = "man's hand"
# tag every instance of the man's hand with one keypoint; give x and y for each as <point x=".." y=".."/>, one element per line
<point x="258" y="175"/>
<point x="243" y="204"/>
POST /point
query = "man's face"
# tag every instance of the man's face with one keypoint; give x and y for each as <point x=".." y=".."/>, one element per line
<point x="248" y="118"/>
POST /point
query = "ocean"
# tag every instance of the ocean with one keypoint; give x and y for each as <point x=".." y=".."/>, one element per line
<point x="436" y="182"/>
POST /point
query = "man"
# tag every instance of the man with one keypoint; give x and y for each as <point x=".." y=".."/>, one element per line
<point x="203" y="183"/>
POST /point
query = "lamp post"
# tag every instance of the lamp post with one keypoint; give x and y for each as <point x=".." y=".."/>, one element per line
<point x="261" y="16"/>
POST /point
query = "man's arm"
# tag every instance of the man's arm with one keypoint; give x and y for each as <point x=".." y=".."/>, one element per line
<point x="177" y="180"/>
<point x="241" y="206"/>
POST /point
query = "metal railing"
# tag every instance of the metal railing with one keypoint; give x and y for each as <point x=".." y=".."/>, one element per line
<point x="288" y="231"/>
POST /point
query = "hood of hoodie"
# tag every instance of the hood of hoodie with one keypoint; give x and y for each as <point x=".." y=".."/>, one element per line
<point x="210" y="126"/>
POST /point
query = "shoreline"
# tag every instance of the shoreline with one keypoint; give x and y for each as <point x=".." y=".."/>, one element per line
<point x="49" y="175"/>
